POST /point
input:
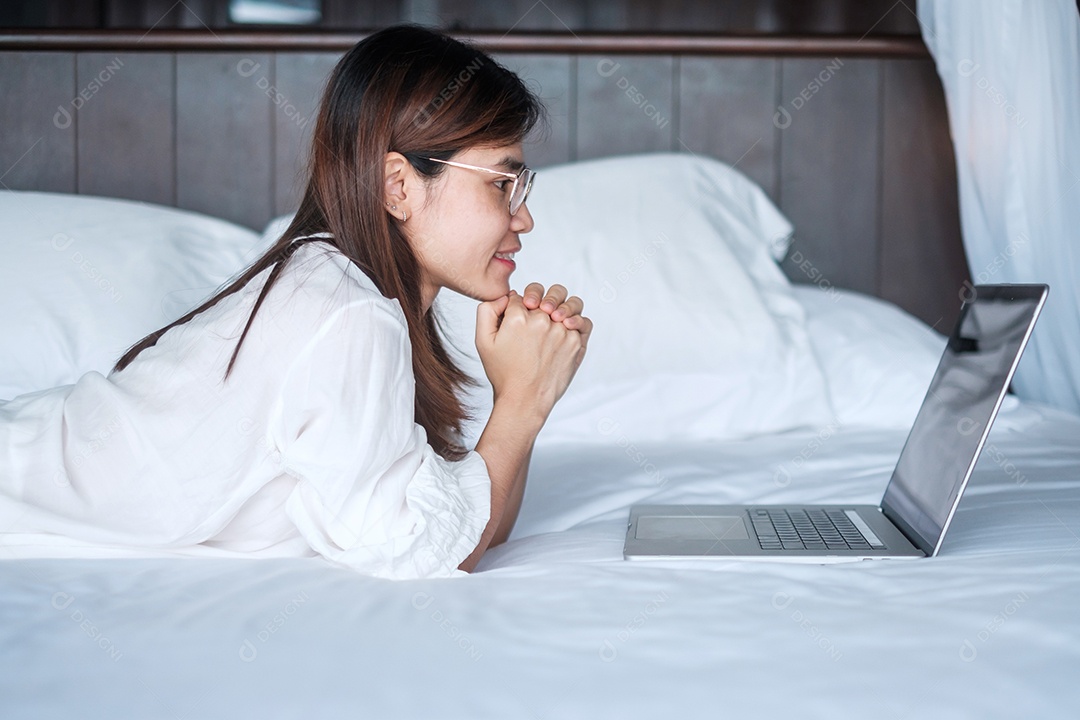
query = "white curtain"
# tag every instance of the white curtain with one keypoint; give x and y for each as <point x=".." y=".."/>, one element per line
<point x="1011" y="72"/>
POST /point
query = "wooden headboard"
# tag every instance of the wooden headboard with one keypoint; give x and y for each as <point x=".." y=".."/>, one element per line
<point x="849" y="136"/>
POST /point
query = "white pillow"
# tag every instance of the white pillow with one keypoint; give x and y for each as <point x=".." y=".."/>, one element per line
<point x="877" y="359"/>
<point x="274" y="229"/>
<point x="84" y="278"/>
<point x="697" y="333"/>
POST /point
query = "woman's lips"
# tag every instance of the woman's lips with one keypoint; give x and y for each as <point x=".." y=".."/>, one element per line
<point x="506" y="258"/>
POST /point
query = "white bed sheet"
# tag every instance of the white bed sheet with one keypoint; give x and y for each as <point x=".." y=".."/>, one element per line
<point x="556" y="625"/>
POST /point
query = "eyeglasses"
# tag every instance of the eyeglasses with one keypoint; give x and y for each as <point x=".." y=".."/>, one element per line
<point x="519" y="191"/>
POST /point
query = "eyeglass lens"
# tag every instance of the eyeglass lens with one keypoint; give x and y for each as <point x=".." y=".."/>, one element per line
<point x="521" y="190"/>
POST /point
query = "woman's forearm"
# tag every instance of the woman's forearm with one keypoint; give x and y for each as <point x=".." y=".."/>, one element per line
<point x="513" y="503"/>
<point x="505" y="445"/>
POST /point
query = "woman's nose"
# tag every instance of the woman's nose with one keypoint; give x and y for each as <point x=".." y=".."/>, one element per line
<point x="522" y="220"/>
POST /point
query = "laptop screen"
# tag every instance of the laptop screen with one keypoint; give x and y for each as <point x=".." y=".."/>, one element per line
<point x="955" y="417"/>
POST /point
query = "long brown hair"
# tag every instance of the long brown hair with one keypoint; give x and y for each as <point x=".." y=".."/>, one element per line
<point x="423" y="94"/>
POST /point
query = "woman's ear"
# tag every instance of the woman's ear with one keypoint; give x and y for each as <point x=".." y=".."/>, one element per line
<point x="398" y="175"/>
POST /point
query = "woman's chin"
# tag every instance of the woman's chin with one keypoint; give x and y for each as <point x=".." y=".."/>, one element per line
<point x="488" y="292"/>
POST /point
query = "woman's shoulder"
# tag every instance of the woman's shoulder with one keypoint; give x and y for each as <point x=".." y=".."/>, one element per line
<point x="321" y="287"/>
<point x="319" y="269"/>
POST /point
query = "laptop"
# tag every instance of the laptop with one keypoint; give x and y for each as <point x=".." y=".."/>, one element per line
<point x="920" y="500"/>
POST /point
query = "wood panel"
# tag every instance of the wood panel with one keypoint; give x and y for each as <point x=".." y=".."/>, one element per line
<point x="726" y="108"/>
<point x="517" y="15"/>
<point x="923" y="261"/>
<point x="552" y="79"/>
<point x="830" y="169"/>
<point x="625" y="104"/>
<point x="551" y="43"/>
<point x="300" y="79"/>
<point x="858" y="157"/>
<point x="224" y="133"/>
<point x="125" y="129"/>
<point x="856" y="17"/>
<point x="39" y="119"/>
<point x="359" y="13"/>
<point x="200" y="14"/>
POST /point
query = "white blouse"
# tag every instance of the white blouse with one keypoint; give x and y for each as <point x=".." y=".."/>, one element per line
<point x="309" y="447"/>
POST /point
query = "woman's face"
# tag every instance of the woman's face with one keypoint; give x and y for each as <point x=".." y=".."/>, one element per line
<point x="460" y="227"/>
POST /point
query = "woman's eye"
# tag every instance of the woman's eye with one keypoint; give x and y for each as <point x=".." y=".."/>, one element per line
<point x="501" y="184"/>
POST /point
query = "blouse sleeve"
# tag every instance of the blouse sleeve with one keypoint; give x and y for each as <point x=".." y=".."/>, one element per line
<point x="372" y="494"/>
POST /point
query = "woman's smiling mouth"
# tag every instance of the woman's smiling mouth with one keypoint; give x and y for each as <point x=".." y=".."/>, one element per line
<point x="507" y="258"/>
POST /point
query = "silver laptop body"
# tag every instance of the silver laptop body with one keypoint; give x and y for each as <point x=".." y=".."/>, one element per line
<point x="920" y="500"/>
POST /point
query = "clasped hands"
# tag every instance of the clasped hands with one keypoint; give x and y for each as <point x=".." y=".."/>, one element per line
<point x="558" y="306"/>
<point x="532" y="344"/>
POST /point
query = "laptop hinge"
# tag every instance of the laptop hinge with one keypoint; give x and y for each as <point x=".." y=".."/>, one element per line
<point x="906" y="530"/>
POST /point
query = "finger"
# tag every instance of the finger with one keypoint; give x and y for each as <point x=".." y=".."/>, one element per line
<point x="585" y="331"/>
<point x="515" y="306"/>
<point x="573" y="306"/>
<point x="533" y="294"/>
<point x="488" y="315"/>
<point x="556" y="294"/>
<point x="585" y="328"/>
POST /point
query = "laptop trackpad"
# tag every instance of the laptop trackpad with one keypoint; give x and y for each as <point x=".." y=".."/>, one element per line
<point x="682" y="527"/>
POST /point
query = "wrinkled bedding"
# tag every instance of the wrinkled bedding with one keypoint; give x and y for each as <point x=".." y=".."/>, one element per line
<point x="556" y="625"/>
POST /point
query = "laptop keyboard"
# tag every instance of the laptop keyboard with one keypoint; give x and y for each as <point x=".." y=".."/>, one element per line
<point x="815" y="529"/>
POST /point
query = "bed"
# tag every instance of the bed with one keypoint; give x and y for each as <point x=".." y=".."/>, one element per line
<point x="712" y="377"/>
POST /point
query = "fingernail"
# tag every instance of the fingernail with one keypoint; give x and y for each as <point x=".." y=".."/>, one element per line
<point x="549" y="306"/>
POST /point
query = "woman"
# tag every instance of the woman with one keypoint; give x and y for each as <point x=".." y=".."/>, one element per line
<point x="310" y="406"/>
